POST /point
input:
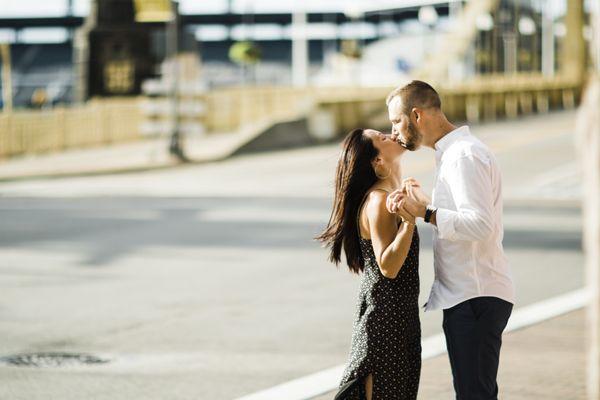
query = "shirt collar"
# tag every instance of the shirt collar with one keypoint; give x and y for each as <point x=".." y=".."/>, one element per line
<point x="446" y="141"/>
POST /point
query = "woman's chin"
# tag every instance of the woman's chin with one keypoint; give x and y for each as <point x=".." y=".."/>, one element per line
<point x="399" y="154"/>
<point x="401" y="149"/>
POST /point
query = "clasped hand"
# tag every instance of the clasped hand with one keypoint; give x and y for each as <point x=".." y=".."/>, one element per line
<point x="409" y="201"/>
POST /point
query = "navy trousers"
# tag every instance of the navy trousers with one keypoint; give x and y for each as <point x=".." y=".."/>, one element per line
<point x="473" y="331"/>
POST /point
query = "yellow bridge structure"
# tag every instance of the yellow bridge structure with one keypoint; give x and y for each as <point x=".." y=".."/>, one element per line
<point x="328" y="111"/>
<point x="336" y="109"/>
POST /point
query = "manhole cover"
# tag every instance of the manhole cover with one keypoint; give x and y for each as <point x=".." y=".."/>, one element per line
<point x="52" y="360"/>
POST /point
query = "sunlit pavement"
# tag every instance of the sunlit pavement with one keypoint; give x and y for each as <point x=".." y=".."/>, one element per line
<point x="543" y="361"/>
<point x="204" y="281"/>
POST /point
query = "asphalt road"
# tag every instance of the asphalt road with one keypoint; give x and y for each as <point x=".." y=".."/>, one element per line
<point x="204" y="281"/>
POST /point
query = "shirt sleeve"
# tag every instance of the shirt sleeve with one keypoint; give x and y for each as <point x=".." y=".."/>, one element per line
<point x="470" y="182"/>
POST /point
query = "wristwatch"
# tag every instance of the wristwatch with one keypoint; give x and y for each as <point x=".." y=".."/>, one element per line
<point x="429" y="212"/>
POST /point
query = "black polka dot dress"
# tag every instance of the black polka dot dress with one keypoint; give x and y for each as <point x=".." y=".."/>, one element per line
<point x="386" y="339"/>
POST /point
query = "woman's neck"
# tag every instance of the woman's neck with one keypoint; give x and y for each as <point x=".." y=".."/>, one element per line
<point x="394" y="180"/>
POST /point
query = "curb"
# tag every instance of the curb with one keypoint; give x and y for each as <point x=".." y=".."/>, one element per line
<point x="110" y="171"/>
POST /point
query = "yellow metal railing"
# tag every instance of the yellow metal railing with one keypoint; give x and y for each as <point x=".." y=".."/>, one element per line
<point x="117" y="120"/>
<point x="107" y="121"/>
<point x="98" y="122"/>
<point x="228" y="110"/>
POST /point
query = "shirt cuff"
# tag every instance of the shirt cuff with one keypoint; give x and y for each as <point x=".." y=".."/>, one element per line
<point x="445" y="223"/>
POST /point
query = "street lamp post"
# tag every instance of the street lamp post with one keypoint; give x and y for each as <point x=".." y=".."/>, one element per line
<point x="172" y="36"/>
<point x="428" y="17"/>
<point x="527" y="29"/>
<point x="485" y="24"/>
<point x="6" y="77"/>
<point x="548" y="39"/>
<point x="299" y="49"/>
<point x="354" y="46"/>
<point x="573" y="49"/>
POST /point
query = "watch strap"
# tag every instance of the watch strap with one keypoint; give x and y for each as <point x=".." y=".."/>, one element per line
<point x="428" y="213"/>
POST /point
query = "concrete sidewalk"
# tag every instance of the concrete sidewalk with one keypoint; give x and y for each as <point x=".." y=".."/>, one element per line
<point x="142" y="155"/>
<point x="544" y="361"/>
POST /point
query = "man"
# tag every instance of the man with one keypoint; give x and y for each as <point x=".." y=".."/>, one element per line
<point x="473" y="283"/>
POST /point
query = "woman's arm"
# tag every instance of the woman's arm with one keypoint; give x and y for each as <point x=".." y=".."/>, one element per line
<point x="390" y="243"/>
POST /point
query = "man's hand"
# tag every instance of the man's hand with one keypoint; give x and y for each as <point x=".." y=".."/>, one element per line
<point x="414" y="207"/>
<point x="410" y="199"/>
<point x="412" y="188"/>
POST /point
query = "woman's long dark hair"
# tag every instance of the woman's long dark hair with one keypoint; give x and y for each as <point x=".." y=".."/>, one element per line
<point x="354" y="176"/>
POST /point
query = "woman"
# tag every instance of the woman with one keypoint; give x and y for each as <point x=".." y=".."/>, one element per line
<point x="385" y="355"/>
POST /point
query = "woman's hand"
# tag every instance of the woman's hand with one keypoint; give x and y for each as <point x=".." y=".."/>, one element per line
<point x="395" y="204"/>
<point x="393" y="201"/>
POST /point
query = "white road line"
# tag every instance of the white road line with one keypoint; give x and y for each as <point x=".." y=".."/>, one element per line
<point x="327" y="380"/>
<point x="547" y="309"/>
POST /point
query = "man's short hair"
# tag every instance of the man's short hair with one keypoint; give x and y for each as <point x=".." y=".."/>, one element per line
<point x="415" y="94"/>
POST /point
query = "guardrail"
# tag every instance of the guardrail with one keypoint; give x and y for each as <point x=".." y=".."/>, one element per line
<point x="485" y="98"/>
<point x="227" y="110"/>
<point x="117" y="120"/>
<point x="332" y="110"/>
<point x="98" y="122"/>
<point x="493" y="96"/>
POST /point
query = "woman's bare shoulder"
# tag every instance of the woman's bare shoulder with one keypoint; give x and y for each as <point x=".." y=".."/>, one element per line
<point x="376" y="201"/>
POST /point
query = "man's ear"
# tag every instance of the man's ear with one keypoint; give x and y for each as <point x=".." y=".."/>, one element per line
<point x="417" y="114"/>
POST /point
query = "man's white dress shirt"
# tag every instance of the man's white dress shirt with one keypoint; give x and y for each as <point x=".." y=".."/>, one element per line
<point x="469" y="259"/>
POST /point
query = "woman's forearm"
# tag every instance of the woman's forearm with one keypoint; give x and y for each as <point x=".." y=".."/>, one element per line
<point x="395" y="254"/>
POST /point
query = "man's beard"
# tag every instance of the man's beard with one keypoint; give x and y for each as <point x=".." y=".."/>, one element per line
<point x="412" y="138"/>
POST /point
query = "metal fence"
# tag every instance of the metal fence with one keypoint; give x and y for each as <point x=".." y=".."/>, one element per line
<point x="117" y="120"/>
<point x="98" y="122"/>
